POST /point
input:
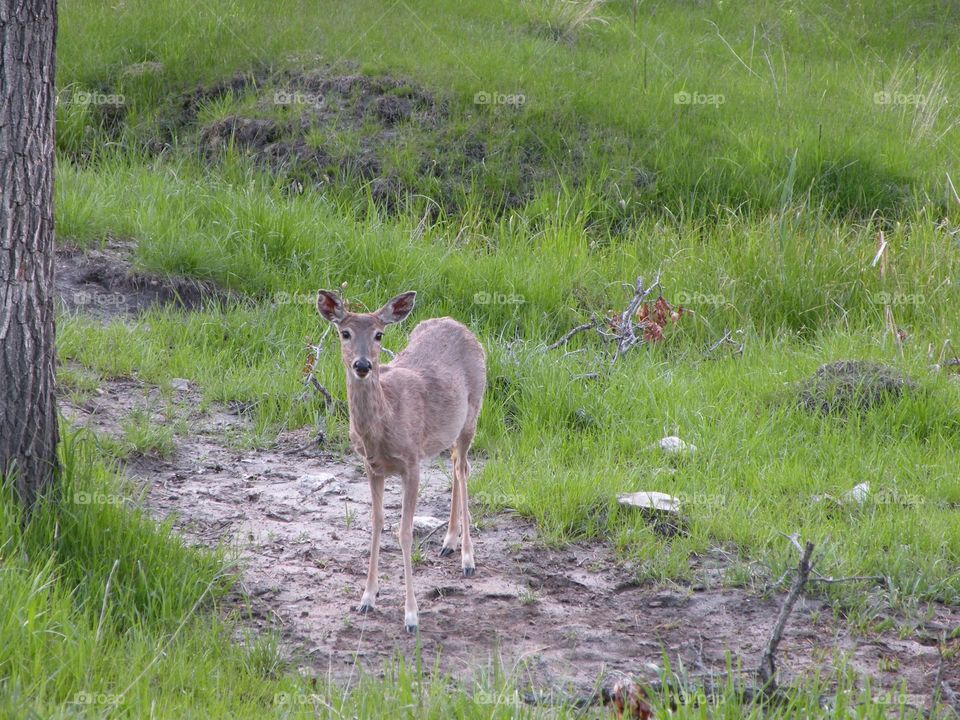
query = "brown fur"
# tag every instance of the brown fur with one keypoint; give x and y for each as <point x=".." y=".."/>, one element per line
<point x="409" y="410"/>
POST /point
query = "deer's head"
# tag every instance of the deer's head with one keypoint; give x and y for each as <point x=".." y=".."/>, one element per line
<point x="361" y="333"/>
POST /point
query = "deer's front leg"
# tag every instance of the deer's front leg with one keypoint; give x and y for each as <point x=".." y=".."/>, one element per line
<point x="411" y="484"/>
<point x="372" y="588"/>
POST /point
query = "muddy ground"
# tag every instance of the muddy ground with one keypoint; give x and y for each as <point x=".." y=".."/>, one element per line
<point x="102" y="282"/>
<point x="554" y="618"/>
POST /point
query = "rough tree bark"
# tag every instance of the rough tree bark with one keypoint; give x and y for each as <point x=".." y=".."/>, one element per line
<point x="28" y="415"/>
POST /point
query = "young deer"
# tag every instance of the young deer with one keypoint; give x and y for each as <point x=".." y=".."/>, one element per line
<point x="409" y="410"/>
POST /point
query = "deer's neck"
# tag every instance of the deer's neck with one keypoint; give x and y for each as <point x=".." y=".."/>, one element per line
<point x="368" y="411"/>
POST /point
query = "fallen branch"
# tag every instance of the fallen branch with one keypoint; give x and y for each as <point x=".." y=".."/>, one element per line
<point x="767" y="669"/>
<point x="727" y="339"/>
<point x="639" y="322"/>
<point x="310" y="371"/>
<point x="879" y="579"/>
<point x="627" y="335"/>
<point x="566" y="338"/>
<point x="432" y="533"/>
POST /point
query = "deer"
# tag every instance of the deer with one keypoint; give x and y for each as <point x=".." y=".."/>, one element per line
<point x="402" y="413"/>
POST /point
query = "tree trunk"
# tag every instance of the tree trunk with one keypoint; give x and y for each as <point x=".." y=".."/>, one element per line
<point x="28" y="414"/>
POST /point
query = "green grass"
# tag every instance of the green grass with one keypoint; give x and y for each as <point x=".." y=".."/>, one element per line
<point x="560" y="449"/>
<point x="761" y="206"/>
<point x="805" y="100"/>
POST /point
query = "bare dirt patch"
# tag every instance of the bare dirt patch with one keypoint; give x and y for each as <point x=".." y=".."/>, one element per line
<point x="101" y="282"/>
<point x="556" y="618"/>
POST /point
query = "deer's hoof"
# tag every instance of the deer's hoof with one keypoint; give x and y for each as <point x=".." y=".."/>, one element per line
<point x="446" y="551"/>
<point x="469" y="571"/>
<point x="412" y="629"/>
<point x="365" y="608"/>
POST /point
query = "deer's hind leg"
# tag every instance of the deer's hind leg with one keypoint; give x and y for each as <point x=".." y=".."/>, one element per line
<point x="461" y="474"/>
<point x="453" y="524"/>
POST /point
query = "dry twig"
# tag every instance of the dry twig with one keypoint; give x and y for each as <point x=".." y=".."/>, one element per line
<point x="637" y="323"/>
<point x="767" y="670"/>
<point x="578" y="329"/>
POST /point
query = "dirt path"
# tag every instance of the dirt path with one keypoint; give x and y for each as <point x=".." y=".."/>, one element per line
<point x="300" y="520"/>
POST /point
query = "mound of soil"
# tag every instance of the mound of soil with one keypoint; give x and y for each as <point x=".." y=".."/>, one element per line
<point x="851" y="385"/>
<point x="389" y="135"/>
<point x="102" y="283"/>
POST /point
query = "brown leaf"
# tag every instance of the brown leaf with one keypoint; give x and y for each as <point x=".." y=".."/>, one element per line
<point x="310" y="362"/>
<point x="630" y="701"/>
<point x="652" y="332"/>
<point x="661" y="311"/>
<point x="613" y="320"/>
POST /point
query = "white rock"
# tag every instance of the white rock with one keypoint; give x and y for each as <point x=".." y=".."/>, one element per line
<point x="322" y="482"/>
<point x="426" y="524"/>
<point x="673" y="445"/>
<point x="858" y="494"/>
<point x="651" y="500"/>
<point x="181" y="384"/>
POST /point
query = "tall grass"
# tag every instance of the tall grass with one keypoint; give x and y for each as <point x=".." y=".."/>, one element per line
<point x="698" y="107"/>
<point x="801" y="290"/>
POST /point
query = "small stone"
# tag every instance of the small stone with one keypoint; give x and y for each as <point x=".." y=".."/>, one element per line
<point x="858" y="494"/>
<point x="324" y="483"/>
<point x="658" y="501"/>
<point x="672" y="445"/>
<point x="181" y="384"/>
<point x="423" y="524"/>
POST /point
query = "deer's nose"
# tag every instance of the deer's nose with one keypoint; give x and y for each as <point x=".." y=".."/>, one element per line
<point x="362" y="366"/>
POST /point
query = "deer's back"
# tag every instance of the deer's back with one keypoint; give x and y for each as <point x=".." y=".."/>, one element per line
<point x="445" y="348"/>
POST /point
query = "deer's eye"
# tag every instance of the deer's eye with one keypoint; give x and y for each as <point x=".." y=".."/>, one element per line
<point x="378" y="337"/>
<point x="345" y="334"/>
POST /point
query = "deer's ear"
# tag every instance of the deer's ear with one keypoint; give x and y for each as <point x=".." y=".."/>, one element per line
<point x="397" y="309"/>
<point x="330" y="306"/>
